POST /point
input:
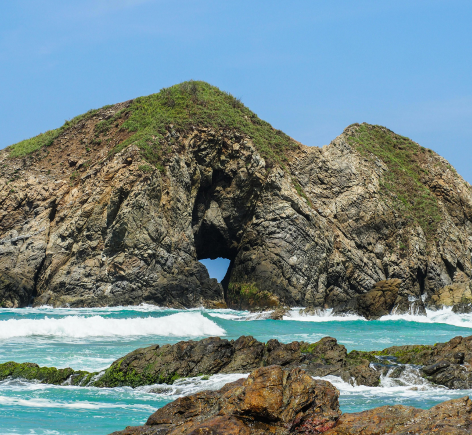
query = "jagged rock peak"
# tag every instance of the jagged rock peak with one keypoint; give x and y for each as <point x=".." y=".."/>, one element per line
<point x="118" y="205"/>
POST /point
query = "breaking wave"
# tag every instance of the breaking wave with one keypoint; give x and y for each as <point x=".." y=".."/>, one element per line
<point x="190" y="324"/>
<point x="445" y="316"/>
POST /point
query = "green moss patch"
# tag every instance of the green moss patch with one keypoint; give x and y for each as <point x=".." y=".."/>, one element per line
<point x="405" y="161"/>
<point x="248" y="295"/>
<point x="46" y="375"/>
<point x="196" y="103"/>
<point x="46" y="139"/>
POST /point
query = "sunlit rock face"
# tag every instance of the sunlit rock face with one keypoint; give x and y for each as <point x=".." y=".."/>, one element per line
<point x="84" y="223"/>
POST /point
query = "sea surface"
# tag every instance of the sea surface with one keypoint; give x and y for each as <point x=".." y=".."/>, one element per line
<point x="91" y="339"/>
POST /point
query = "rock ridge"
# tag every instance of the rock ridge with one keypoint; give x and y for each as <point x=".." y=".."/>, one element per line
<point x="448" y="364"/>
<point x="279" y="401"/>
<point x="118" y="206"/>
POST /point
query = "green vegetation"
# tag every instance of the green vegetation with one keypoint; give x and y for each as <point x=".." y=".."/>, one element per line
<point x="301" y="192"/>
<point x="198" y="104"/>
<point x="145" y="168"/>
<point x="177" y="109"/>
<point x="308" y="348"/>
<point x="404" y="160"/>
<point x="249" y="295"/>
<point x="406" y="354"/>
<point x="46" y="375"/>
<point x="33" y="144"/>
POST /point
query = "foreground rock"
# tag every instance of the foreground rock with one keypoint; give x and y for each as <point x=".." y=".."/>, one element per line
<point x="282" y="402"/>
<point x="108" y="211"/>
<point x="453" y="417"/>
<point x="270" y="401"/>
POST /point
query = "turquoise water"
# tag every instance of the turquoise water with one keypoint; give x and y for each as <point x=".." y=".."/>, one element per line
<point x="90" y="339"/>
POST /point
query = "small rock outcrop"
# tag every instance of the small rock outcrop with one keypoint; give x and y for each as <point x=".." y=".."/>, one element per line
<point x="375" y="303"/>
<point x="118" y="206"/>
<point x="448" y="364"/>
<point x="270" y="401"/>
<point x="453" y="417"/>
<point x="164" y="364"/>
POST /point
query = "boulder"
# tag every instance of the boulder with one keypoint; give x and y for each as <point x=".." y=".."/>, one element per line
<point x="270" y="401"/>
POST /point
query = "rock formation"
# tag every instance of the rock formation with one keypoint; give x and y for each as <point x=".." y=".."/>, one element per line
<point x="271" y="400"/>
<point x="118" y="205"/>
<point x="448" y="364"/>
<point x="282" y="402"/>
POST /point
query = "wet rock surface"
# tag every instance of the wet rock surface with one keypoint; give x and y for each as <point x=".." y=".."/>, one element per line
<point x="273" y="400"/>
<point x="374" y="304"/>
<point x="164" y="364"/>
<point x="448" y="364"/>
<point x="83" y="225"/>
<point x="453" y="417"/>
<point x="270" y="401"/>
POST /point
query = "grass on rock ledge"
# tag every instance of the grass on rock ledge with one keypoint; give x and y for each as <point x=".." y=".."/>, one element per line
<point x="406" y="161"/>
<point x="186" y="105"/>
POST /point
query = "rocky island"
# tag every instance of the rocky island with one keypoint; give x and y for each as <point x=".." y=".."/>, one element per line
<point x="118" y="206"/>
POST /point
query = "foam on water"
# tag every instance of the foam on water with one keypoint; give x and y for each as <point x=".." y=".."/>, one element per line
<point x="184" y="387"/>
<point x="45" y="403"/>
<point x="188" y="324"/>
<point x="321" y="316"/>
<point x="445" y="316"/>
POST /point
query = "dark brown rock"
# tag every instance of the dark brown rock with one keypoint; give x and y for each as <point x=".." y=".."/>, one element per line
<point x="377" y="302"/>
<point x="282" y="402"/>
<point x="270" y="401"/>
<point x="453" y="417"/>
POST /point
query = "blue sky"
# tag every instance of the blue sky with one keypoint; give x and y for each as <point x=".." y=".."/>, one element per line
<point x="310" y="68"/>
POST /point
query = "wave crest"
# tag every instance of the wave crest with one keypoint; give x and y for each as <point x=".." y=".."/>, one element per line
<point x="174" y="325"/>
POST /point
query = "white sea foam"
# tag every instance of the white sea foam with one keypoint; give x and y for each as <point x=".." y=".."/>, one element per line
<point x="184" y="387"/>
<point x="187" y="324"/>
<point x="444" y="315"/>
<point x="83" y="404"/>
<point x="321" y="316"/>
<point x="410" y="388"/>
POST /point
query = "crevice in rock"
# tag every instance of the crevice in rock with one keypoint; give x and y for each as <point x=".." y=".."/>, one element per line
<point x="225" y="281"/>
<point x="421" y="278"/>
<point x="53" y="211"/>
<point x="451" y="269"/>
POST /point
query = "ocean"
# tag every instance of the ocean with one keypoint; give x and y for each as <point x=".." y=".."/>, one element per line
<point x="92" y="338"/>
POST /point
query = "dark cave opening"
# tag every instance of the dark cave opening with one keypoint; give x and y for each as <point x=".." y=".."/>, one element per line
<point x="214" y="231"/>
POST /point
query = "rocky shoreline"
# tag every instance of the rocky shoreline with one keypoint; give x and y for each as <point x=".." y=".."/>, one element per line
<point x="278" y="401"/>
<point x="281" y="395"/>
<point x="448" y="364"/>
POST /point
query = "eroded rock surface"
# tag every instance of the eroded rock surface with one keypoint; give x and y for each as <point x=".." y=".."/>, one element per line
<point x="158" y="364"/>
<point x="282" y="402"/>
<point x="270" y="401"/>
<point x="85" y="223"/>
<point x="453" y="417"/>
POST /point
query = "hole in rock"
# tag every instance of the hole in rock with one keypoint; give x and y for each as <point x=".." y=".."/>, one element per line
<point x="216" y="268"/>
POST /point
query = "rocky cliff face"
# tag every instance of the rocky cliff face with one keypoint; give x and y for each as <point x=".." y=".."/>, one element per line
<point x="117" y="207"/>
